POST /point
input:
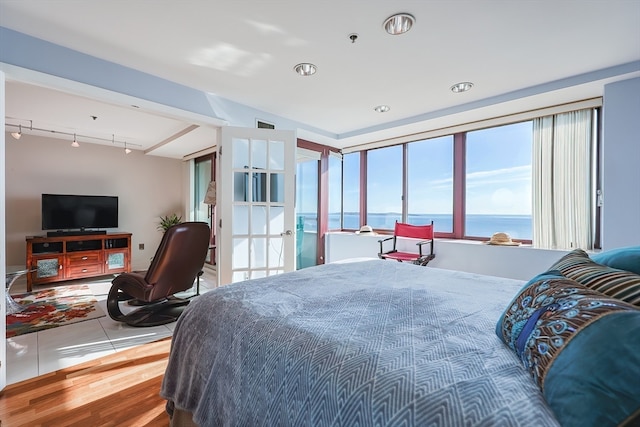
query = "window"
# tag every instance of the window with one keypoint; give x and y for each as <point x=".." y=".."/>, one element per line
<point x="350" y="193"/>
<point x="474" y="183"/>
<point x="498" y="181"/>
<point x="306" y="212"/>
<point x="384" y="187"/>
<point x="335" y="192"/>
<point x="307" y="194"/>
<point x="430" y="183"/>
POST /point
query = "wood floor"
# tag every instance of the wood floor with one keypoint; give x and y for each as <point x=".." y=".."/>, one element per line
<point x="117" y="390"/>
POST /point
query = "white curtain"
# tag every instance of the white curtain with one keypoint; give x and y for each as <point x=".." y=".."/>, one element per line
<point x="562" y="181"/>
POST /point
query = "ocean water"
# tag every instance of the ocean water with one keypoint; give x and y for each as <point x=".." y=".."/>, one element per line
<point x="517" y="226"/>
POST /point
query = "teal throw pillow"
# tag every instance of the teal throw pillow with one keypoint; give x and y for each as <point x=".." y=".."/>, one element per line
<point x="621" y="258"/>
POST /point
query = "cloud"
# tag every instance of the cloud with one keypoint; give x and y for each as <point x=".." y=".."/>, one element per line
<point x="499" y="176"/>
<point x="483" y="178"/>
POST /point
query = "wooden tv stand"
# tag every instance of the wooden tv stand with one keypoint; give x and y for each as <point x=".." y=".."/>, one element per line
<point x="68" y="257"/>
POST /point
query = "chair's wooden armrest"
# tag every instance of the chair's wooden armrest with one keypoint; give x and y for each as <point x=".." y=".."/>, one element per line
<point x="381" y="241"/>
<point x="424" y="242"/>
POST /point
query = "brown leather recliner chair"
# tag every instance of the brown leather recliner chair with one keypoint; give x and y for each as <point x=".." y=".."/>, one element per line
<point x="176" y="265"/>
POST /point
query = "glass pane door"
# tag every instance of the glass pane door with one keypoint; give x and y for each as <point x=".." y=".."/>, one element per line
<point x="307" y="212"/>
<point x="203" y="211"/>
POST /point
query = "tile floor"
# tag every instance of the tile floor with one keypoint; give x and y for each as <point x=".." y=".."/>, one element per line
<point x="46" y="351"/>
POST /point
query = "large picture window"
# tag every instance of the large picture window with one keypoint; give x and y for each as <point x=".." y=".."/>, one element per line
<point x="475" y="183"/>
<point x="350" y="192"/>
<point x="384" y="187"/>
<point x="430" y="183"/>
<point x="498" y="181"/>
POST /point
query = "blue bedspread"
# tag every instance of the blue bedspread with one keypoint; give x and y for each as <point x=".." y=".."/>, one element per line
<point x="372" y="343"/>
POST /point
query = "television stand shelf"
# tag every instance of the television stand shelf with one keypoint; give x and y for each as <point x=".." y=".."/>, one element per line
<point x="68" y="257"/>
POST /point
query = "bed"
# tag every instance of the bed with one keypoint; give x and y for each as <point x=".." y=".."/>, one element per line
<point x="367" y="343"/>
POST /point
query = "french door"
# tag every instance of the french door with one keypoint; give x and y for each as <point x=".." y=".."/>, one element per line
<point x="256" y="198"/>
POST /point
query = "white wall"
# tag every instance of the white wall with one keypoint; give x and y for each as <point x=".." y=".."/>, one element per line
<point x="147" y="187"/>
<point x="621" y="164"/>
<point x="514" y="262"/>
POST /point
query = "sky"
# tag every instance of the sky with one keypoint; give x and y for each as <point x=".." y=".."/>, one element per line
<point x="498" y="170"/>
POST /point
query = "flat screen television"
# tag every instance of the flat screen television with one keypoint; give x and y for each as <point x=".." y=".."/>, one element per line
<point x="76" y="212"/>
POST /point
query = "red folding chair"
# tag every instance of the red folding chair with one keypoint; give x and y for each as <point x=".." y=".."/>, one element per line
<point x="422" y="233"/>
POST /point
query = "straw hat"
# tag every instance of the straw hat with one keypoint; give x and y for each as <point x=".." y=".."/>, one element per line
<point x="365" y="229"/>
<point x="502" y="239"/>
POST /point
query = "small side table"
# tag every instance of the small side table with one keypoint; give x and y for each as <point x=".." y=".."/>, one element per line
<point x="12" y="273"/>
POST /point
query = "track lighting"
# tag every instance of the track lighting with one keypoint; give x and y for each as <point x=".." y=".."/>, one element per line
<point x="17" y="135"/>
<point x="59" y="133"/>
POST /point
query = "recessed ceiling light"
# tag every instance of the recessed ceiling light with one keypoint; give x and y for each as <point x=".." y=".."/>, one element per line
<point x="399" y="23"/>
<point x="305" y="69"/>
<point x="461" y="87"/>
<point x="382" y="108"/>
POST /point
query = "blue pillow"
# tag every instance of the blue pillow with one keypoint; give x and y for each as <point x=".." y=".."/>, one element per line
<point x="551" y="274"/>
<point x="581" y="347"/>
<point x="621" y="258"/>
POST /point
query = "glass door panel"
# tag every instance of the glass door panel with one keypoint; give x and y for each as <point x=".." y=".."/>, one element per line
<point x="307" y="213"/>
<point x="276" y="194"/>
<point x="276" y="161"/>
<point x="259" y="220"/>
<point x="258" y="154"/>
<point x="116" y="260"/>
<point x="203" y="169"/>
<point x="241" y="153"/>
<point x="241" y="214"/>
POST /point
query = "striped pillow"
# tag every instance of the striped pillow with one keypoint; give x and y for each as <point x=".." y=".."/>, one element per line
<point x="619" y="284"/>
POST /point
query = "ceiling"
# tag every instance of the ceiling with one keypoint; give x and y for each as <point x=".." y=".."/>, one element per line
<point x="518" y="54"/>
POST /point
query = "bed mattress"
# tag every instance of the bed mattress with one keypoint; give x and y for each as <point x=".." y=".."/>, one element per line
<point x="366" y="343"/>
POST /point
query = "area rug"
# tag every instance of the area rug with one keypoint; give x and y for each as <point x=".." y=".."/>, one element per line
<point x="51" y="308"/>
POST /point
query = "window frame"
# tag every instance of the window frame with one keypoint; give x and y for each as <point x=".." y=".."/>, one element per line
<point x="459" y="174"/>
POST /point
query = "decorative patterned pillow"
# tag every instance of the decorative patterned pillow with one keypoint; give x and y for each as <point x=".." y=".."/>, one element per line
<point x="621" y="258"/>
<point x="581" y="347"/>
<point x="620" y="284"/>
<point x="521" y="314"/>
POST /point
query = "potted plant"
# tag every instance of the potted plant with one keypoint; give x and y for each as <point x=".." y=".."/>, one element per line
<point x="168" y="221"/>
